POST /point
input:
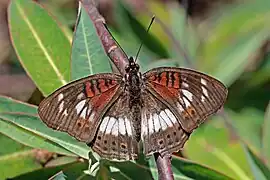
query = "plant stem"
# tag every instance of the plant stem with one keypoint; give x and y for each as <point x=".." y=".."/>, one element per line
<point x="164" y="167"/>
<point x="113" y="50"/>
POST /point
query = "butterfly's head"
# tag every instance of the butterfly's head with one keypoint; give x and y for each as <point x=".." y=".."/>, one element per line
<point x="132" y="66"/>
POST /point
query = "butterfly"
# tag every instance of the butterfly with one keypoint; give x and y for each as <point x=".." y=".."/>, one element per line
<point x="114" y="114"/>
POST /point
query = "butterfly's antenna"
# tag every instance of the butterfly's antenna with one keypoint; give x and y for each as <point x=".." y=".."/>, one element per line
<point x="152" y="20"/>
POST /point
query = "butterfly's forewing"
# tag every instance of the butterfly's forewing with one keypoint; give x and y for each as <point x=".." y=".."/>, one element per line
<point x="77" y="108"/>
<point x="191" y="96"/>
<point x="160" y="130"/>
<point x="115" y="137"/>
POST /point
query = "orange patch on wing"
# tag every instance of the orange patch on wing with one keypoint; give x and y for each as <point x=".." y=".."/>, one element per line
<point x="176" y="80"/>
<point x="163" y="79"/>
<point x="88" y="89"/>
<point x="189" y="111"/>
<point x="102" y="85"/>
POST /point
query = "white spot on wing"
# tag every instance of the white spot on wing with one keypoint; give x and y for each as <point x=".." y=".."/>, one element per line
<point x="187" y="103"/>
<point x="80" y="96"/>
<point x="150" y="124"/>
<point x="185" y="84"/>
<point x="163" y="123"/>
<point x="187" y="94"/>
<point x="180" y="107"/>
<point x="171" y="116"/>
<point x="60" y="96"/>
<point x="143" y="125"/>
<point x="104" y="124"/>
<point x="61" y="106"/>
<point x="128" y="126"/>
<point x="156" y="122"/>
<point x="204" y="90"/>
<point x="110" y="125"/>
<point x="79" y="106"/>
<point x="203" y="81"/>
<point x="83" y="114"/>
<point x="122" y="127"/>
<point x="115" y="129"/>
<point x="166" y="118"/>
<point x="65" y="112"/>
<point x="91" y="118"/>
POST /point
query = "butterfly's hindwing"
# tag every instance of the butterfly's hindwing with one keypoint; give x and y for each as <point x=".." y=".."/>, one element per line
<point x="190" y="95"/>
<point x="115" y="138"/>
<point x="160" y="130"/>
<point x="77" y="108"/>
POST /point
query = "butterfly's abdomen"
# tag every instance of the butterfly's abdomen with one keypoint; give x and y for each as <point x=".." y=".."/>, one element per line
<point x="135" y="102"/>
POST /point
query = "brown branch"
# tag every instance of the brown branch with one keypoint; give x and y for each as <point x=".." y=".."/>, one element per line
<point x="164" y="167"/>
<point x="116" y="54"/>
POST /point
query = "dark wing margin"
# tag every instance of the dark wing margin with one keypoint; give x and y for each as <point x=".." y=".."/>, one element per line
<point x="77" y="108"/>
<point x="190" y="95"/>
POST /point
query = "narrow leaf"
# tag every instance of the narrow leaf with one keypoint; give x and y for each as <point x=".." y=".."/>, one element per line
<point x="8" y="104"/>
<point x="40" y="44"/>
<point x="88" y="56"/>
<point x="29" y="139"/>
<point x="16" y="163"/>
<point x="71" y="171"/>
<point x="260" y="171"/>
<point x="196" y="171"/>
<point x="35" y="125"/>
<point x="266" y="135"/>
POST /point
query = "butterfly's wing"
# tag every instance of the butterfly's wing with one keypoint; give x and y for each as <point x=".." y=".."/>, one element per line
<point x="115" y="137"/>
<point x="188" y="96"/>
<point x="160" y="130"/>
<point x="78" y="107"/>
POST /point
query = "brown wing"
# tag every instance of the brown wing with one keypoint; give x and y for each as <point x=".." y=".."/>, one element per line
<point x="115" y="137"/>
<point x="191" y="96"/>
<point x="160" y="130"/>
<point x="77" y="108"/>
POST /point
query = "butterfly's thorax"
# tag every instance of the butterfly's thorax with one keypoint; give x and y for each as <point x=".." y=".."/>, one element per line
<point x="133" y="88"/>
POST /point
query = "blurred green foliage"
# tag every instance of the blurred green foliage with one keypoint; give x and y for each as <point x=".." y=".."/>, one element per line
<point x="228" y="46"/>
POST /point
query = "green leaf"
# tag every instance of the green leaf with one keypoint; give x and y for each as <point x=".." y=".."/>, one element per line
<point x="259" y="169"/>
<point x="35" y="125"/>
<point x="149" y="40"/>
<point x="235" y="57"/>
<point x="237" y="33"/>
<point x="8" y="104"/>
<point x="88" y="56"/>
<point x="71" y="171"/>
<point x="61" y="161"/>
<point x="131" y="169"/>
<point x="29" y="139"/>
<point x="127" y="39"/>
<point x="195" y="170"/>
<point x="213" y="145"/>
<point x="184" y="34"/>
<point x="15" y="159"/>
<point x="59" y="176"/>
<point x="21" y="135"/>
<point x="266" y="135"/>
<point x="248" y="123"/>
<point x="39" y="44"/>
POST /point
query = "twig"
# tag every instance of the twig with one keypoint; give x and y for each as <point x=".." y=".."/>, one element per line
<point x="164" y="167"/>
<point x="116" y="54"/>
